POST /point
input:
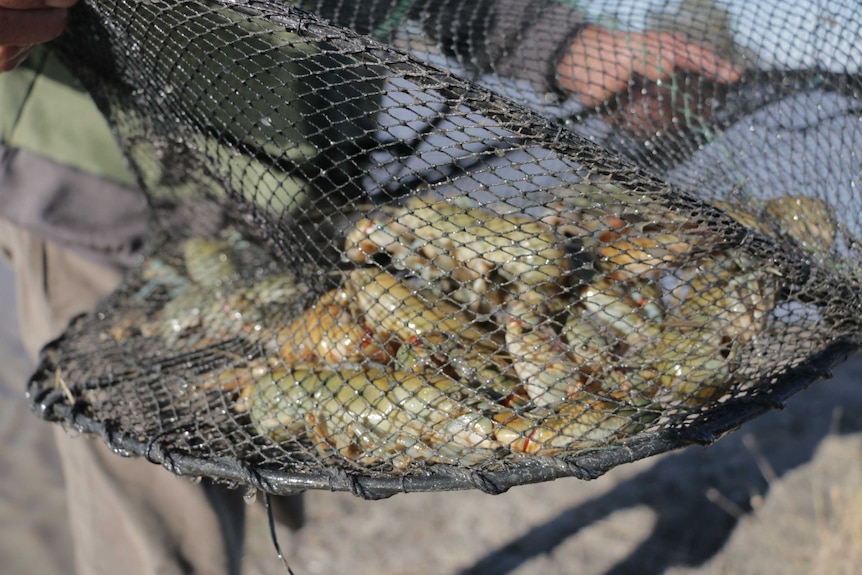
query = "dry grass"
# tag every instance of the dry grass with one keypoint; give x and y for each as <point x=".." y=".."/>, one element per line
<point x="808" y="521"/>
<point x="812" y="519"/>
<point x="839" y="526"/>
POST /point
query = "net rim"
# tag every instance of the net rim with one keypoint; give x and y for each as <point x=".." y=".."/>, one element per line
<point x="52" y="404"/>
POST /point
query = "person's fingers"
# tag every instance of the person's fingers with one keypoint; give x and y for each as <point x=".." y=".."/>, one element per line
<point x="12" y="56"/>
<point x="651" y="56"/>
<point x="590" y="68"/>
<point x="601" y="62"/>
<point x="702" y="60"/>
<point x="662" y="53"/>
<point x="36" y="4"/>
<point x="24" y="23"/>
<point x="21" y="27"/>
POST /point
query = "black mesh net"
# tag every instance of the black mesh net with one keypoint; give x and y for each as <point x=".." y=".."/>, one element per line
<point x="416" y="245"/>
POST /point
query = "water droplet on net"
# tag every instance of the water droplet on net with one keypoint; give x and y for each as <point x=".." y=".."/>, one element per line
<point x="250" y="495"/>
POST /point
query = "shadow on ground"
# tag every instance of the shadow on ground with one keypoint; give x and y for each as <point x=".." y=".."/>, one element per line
<point x="697" y="506"/>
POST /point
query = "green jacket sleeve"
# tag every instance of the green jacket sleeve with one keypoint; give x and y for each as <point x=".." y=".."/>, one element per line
<point x="47" y="112"/>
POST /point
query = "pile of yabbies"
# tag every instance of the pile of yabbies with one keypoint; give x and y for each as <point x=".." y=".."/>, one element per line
<point x="461" y="334"/>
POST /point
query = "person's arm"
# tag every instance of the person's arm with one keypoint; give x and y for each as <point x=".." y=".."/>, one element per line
<point x="599" y="61"/>
<point x="25" y="23"/>
<point x="545" y="42"/>
<point x="552" y="46"/>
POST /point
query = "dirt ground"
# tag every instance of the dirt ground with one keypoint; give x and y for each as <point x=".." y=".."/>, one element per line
<point x="782" y="495"/>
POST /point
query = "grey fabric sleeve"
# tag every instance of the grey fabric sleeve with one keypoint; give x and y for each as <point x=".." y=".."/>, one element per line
<point x="93" y="216"/>
<point x="528" y="40"/>
<point x="520" y="39"/>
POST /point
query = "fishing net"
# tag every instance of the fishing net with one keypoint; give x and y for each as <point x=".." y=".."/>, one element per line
<point x="415" y="245"/>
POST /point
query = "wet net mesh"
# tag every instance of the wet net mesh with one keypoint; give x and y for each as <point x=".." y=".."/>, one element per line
<point x="415" y="245"/>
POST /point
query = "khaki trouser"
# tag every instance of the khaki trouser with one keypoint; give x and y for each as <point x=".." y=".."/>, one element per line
<point x="127" y="515"/>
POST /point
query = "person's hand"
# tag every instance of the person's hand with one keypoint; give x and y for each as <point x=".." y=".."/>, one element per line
<point x="601" y="62"/>
<point x="25" y="23"/>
